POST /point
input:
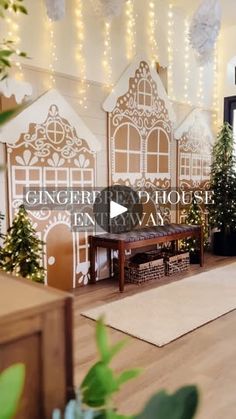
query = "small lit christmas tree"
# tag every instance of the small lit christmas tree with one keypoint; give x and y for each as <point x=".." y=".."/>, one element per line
<point x="21" y="253"/>
<point x="223" y="182"/>
<point x="195" y="217"/>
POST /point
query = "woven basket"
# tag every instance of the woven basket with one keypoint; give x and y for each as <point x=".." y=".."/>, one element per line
<point x="176" y="263"/>
<point x="139" y="273"/>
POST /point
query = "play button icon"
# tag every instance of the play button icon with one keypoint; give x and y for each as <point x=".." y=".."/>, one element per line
<point x="117" y="209"/>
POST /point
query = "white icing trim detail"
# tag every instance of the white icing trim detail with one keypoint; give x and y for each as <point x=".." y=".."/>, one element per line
<point x="37" y="113"/>
<point x="122" y="87"/>
<point x="12" y="87"/>
<point x="195" y="118"/>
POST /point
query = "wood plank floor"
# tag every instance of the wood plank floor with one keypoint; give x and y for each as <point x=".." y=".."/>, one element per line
<point x="206" y="357"/>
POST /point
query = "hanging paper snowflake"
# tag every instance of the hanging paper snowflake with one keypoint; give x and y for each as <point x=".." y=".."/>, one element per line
<point x="55" y="9"/>
<point x="108" y="8"/>
<point x="204" y="29"/>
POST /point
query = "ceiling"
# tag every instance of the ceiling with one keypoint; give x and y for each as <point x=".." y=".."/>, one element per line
<point x="228" y="9"/>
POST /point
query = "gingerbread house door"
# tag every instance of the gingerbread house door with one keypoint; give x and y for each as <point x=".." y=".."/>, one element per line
<point x="60" y="266"/>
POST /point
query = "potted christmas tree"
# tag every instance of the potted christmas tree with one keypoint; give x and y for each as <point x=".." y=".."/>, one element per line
<point x="195" y="217"/>
<point x="222" y="210"/>
<point x="21" y="253"/>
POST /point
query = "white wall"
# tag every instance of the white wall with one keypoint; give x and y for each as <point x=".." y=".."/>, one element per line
<point x="35" y="40"/>
<point x="227" y="85"/>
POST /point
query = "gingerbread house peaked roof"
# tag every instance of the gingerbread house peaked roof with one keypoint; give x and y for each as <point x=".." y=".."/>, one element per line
<point x="37" y="112"/>
<point x="122" y="87"/>
<point x="195" y="122"/>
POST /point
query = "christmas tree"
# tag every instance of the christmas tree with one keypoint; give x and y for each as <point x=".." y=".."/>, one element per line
<point x="223" y="182"/>
<point x="195" y="217"/>
<point x="1" y="219"/>
<point x="22" y="249"/>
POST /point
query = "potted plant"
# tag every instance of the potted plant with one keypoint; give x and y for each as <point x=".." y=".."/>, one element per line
<point x="222" y="209"/>
<point x="195" y="216"/>
<point x="22" y="250"/>
<point x="97" y="393"/>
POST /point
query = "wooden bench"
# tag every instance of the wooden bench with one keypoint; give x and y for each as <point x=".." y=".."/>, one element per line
<point x="141" y="238"/>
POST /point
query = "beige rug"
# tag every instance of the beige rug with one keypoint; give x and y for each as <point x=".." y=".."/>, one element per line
<point x="163" y="314"/>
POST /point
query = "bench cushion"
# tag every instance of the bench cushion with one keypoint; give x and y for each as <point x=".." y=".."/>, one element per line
<point x="150" y="232"/>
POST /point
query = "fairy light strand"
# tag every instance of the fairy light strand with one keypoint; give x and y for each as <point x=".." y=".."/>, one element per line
<point x="215" y="104"/>
<point x="107" y="57"/>
<point x="152" y="32"/>
<point x="130" y="30"/>
<point x="200" y="90"/>
<point x="186" y="62"/>
<point x="170" y="41"/>
<point x="80" y="52"/>
<point x="52" y="51"/>
<point x="13" y="35"/>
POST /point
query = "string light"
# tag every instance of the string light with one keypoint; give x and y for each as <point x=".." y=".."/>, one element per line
<point x="13" y="35"/>
<point x="107" y="58"/>
<point x="53" y="56"/>
<point x="215" y="103"/>
<point x="80" y="52"/>
<point x="170" y="51"/>
<point x="130" y="30"/>
<point x="186" y="62"/>
<point x="152" y="32"/>
<point x="200" y="91"/>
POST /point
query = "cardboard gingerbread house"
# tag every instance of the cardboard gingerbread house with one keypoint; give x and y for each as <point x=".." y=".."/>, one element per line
<point x="48" y="145"/>
<point x="140" y="130"/>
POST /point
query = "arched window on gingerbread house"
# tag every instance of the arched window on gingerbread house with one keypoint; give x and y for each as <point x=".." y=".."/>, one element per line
<point x="145" y="94"/>
<point x="127" y="149"/>
<point x="158" y="152"/>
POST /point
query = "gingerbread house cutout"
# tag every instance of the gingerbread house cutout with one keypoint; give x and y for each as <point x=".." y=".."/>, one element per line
<point x="140" y="129"/>
<point x="48" y="145"/>
<point x="194" y="154"/>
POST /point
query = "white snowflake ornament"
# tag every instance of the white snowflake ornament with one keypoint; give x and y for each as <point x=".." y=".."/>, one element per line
<point x="55" y="9"/>
<point x="204" y="29"/>
<point x="108" y="8"/>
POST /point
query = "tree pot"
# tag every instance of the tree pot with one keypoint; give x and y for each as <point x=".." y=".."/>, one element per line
<point x="194" y="258"/>
<point x="224" y="244"/>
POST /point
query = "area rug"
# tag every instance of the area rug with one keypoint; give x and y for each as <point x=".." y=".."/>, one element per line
<point x="163" y="314"/>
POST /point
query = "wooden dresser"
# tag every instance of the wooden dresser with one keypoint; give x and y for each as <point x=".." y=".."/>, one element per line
<point x="36" y="329"/>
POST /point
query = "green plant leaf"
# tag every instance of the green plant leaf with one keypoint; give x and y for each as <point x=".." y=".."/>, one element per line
<point x="5" y="62"/>
<point x="98" y="385"/>
<point x="23" y="10"/>
<point x="102" y="341"/>
<point x="5" y="53"/>
<point x="128" y="375"/>
<point x="188" y="397"/>
<point x="112" y="414"/>
<point x="11" y="387"/>
<point x="7" y="115"/>
<point x="106" y="352"/>
<point x="180" y="405"/>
